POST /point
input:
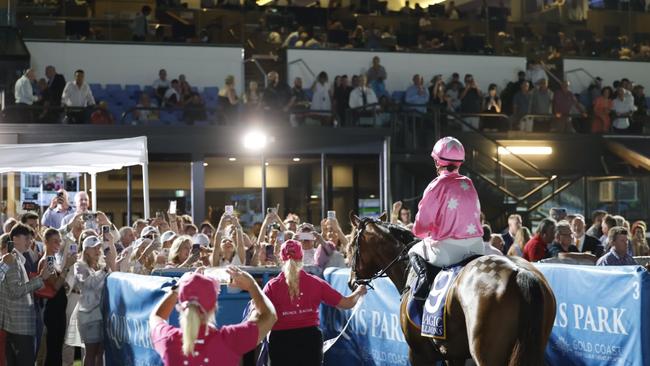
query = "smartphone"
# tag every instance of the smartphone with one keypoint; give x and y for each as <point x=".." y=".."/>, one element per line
<point x="280" y="237"/>
<point x="219" y="274"/>
<point x="229" y="209"/>
<point x="270" y="254"/>
<point x="270" y="210"/>
<point x="59" y="197"/>
<point x="196" y="249"/>
<point x="73" y="249"/>
<point x="105" y="230"/>
<point x="331" y="215"/>
<point x="10" y="246"/>
<point x="172" y="207"/>
<point x="50" y="262"/>
<point x="305" y="236"/>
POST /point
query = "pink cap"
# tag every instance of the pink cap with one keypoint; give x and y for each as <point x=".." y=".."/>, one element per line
<point x="197" y="289"/>
<point x="448" y="151"/>
<point x="291" y="249"/>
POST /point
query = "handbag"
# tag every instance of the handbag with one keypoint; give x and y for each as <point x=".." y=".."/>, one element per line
<point x="46" y="292"/>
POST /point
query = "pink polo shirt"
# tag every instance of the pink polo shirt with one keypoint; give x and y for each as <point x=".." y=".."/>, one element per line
<point x="223" y="346"/>
<point x="449" y="209"/>
<point x="301" y="312"/>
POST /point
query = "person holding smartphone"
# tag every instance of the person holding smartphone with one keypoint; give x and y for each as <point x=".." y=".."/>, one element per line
<point x="18" y="315"/>
<point x="54" y="315"/>
<point x="296" y="338"/>
<point x="270" y="238"/>
<point x="229" y="242"/>
<point x="58" y="209"/>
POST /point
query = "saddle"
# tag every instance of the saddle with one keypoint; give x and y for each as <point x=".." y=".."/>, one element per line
<point x="428" y="297"/>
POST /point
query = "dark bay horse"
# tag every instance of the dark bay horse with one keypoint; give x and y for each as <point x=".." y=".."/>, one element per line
<point x="500" y="310"/>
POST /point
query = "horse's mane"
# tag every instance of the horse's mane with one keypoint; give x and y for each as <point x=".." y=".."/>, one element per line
<point x="399" y="232"/>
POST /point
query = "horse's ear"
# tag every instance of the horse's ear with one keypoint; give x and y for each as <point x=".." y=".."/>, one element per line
<point x="354" y="219"/>
<point x="383" y="217"/>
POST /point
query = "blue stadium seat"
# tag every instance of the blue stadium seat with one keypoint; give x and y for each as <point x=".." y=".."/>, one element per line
<point x="149" y="90"/>
<point x="211" y="91"/>
<point x="113" y="88"/>
<point x="133" y="91"/>
<point x="96" y="88"/>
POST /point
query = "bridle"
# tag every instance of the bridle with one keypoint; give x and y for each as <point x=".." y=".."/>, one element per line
<point x="402" y="256"/>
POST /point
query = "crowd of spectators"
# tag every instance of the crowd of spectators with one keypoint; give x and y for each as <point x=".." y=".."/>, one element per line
<point x="53" y="267"/>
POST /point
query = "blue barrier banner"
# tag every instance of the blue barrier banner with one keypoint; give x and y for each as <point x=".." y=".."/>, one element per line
<point x="602" y="315"/>
<point x="374" y="337"/>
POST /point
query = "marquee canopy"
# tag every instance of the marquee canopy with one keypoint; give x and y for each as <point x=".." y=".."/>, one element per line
<point x="79" y="157"/>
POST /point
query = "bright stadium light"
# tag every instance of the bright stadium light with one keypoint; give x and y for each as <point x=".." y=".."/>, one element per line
<point x="525" y="150"/>
<point x="255" y="140"/>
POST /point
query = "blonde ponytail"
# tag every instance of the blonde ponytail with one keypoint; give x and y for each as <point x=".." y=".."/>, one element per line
<point x="190" y="320"/>
<point x="291" y="271"/>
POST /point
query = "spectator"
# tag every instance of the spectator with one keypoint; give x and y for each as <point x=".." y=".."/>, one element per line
<point x="298" y="104"/>
<point x="321" y="97"/>
<point x="607" y="223"/>
<point x="185" y="89"/>
<point x="17" y="311"/>
<point x="54" y="316"/>
<point x="229" y="246"/>
<point x="228" y="99"/>
<point x="540" y="103"/>
<point x="102" y="116"/>
<point x="296" y="339"/>
<point x="564" y="240"/>
<point x="179" y="253"/>
<point x="640" y="116"/>
<point x="470" y="102"/>
<point x="563" y="103"/>
<point x="140" y="24"/>
<point x="252" y="97"/>
<point x="363" y="96"/>
<point x="514" y="224"/>
<point x="417" y="96"/>
<point x="557" y="213"/>
<point x="277" y="95"/>
<point x="335" y="245"/>
<point x="535" y="248"/>
<point x="623" y="108"/>
<point x="618" y="254"/>
<point x="453" y="95"/>
<point x="492" y="105"/>
<point x="341" y="98"/>
<point x="584" y="242"/>
<point x="127" y="237"/>
<point x="77" y="94"/>
<point x="521" y="238"/>
<point x="639" y="241"/>
<point x="161" y="85"/>
<point x="194" y="110"/>
<point x="145" y="109"/>
<point x="82" y="205"/>
<point x="58" y="209"/>
<point x="23" y="92"/>
<point x="535" y="73"/>
<point x="89" y="276"/>
<point x="198" y="340"/>
<point x="495" y="245"/>
<point x="376" y="71"/>
<point x="596" y="220"/>
<point x="172" y="97"/>
<point x="602" y="110"/>
<point x="401" y="215"/>
<point x="293" y="37"/>
<point x="509" y="92"/>
<point x="55" y="85"/>
<point x="452" y="11"/>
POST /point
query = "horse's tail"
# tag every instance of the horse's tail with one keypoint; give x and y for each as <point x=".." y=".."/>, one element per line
<point x="529" y="348"/>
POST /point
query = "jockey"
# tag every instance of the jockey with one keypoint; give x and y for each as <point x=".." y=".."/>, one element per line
<point x="448" y="218"/>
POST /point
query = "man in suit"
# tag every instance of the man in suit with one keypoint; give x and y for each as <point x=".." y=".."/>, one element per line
<point x="514" y="224"/>
<point x="55" y="85"/>
<point x="584" y="242"/>
<point x="596" y="220"/>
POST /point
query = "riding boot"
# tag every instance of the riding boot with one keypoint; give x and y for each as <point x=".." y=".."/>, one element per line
<point x="423" y="280"/>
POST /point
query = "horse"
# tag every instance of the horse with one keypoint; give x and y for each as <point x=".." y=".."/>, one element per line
<point x="499" y="310"/>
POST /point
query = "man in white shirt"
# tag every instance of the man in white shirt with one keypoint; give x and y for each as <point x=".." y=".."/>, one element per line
<point x="23" y="91"/>
<point x="172" y="97"/>
<point x="77" y="94"/>
<point x="161" y="85"/>
<point x="623" y="107"/>
<point x="362" y="95"/>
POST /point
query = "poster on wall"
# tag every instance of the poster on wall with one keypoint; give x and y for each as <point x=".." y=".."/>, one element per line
<point x="40" y="188"/>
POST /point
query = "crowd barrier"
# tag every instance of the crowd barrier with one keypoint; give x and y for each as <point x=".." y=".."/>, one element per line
<point x="600" y="318"/>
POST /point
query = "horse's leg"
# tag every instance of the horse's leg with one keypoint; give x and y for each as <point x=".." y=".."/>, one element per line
<point x="422" y="352"/>
<point x="458" y="362"/>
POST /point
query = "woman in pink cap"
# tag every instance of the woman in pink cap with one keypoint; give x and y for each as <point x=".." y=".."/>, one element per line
<point x="448" y="218"/>
<point x="198" y="342"/>
<point x="296" y="339"/>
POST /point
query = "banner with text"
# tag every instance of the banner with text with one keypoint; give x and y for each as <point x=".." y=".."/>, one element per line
<point x="374" y="337"/>
<point x="602" y="315"/>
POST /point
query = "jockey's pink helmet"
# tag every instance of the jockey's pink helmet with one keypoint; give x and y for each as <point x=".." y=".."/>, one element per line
<point x="448" y="151"/>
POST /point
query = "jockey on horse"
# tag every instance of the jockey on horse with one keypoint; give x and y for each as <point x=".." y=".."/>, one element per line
<point x="448" y="218"/>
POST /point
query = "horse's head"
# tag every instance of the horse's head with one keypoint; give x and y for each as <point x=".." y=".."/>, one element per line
<point x="374" y="246"/>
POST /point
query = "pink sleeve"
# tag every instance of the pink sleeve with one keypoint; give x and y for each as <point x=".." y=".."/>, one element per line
<point x="160" y="335"/>
<point x="329" y="295"/>
<point x="427" y="208"/>
<point x="241" y="337"/>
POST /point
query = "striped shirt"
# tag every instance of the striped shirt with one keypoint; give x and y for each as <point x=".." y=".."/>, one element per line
<point x="17" y="313"/>
<point x="613" y="259"/>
